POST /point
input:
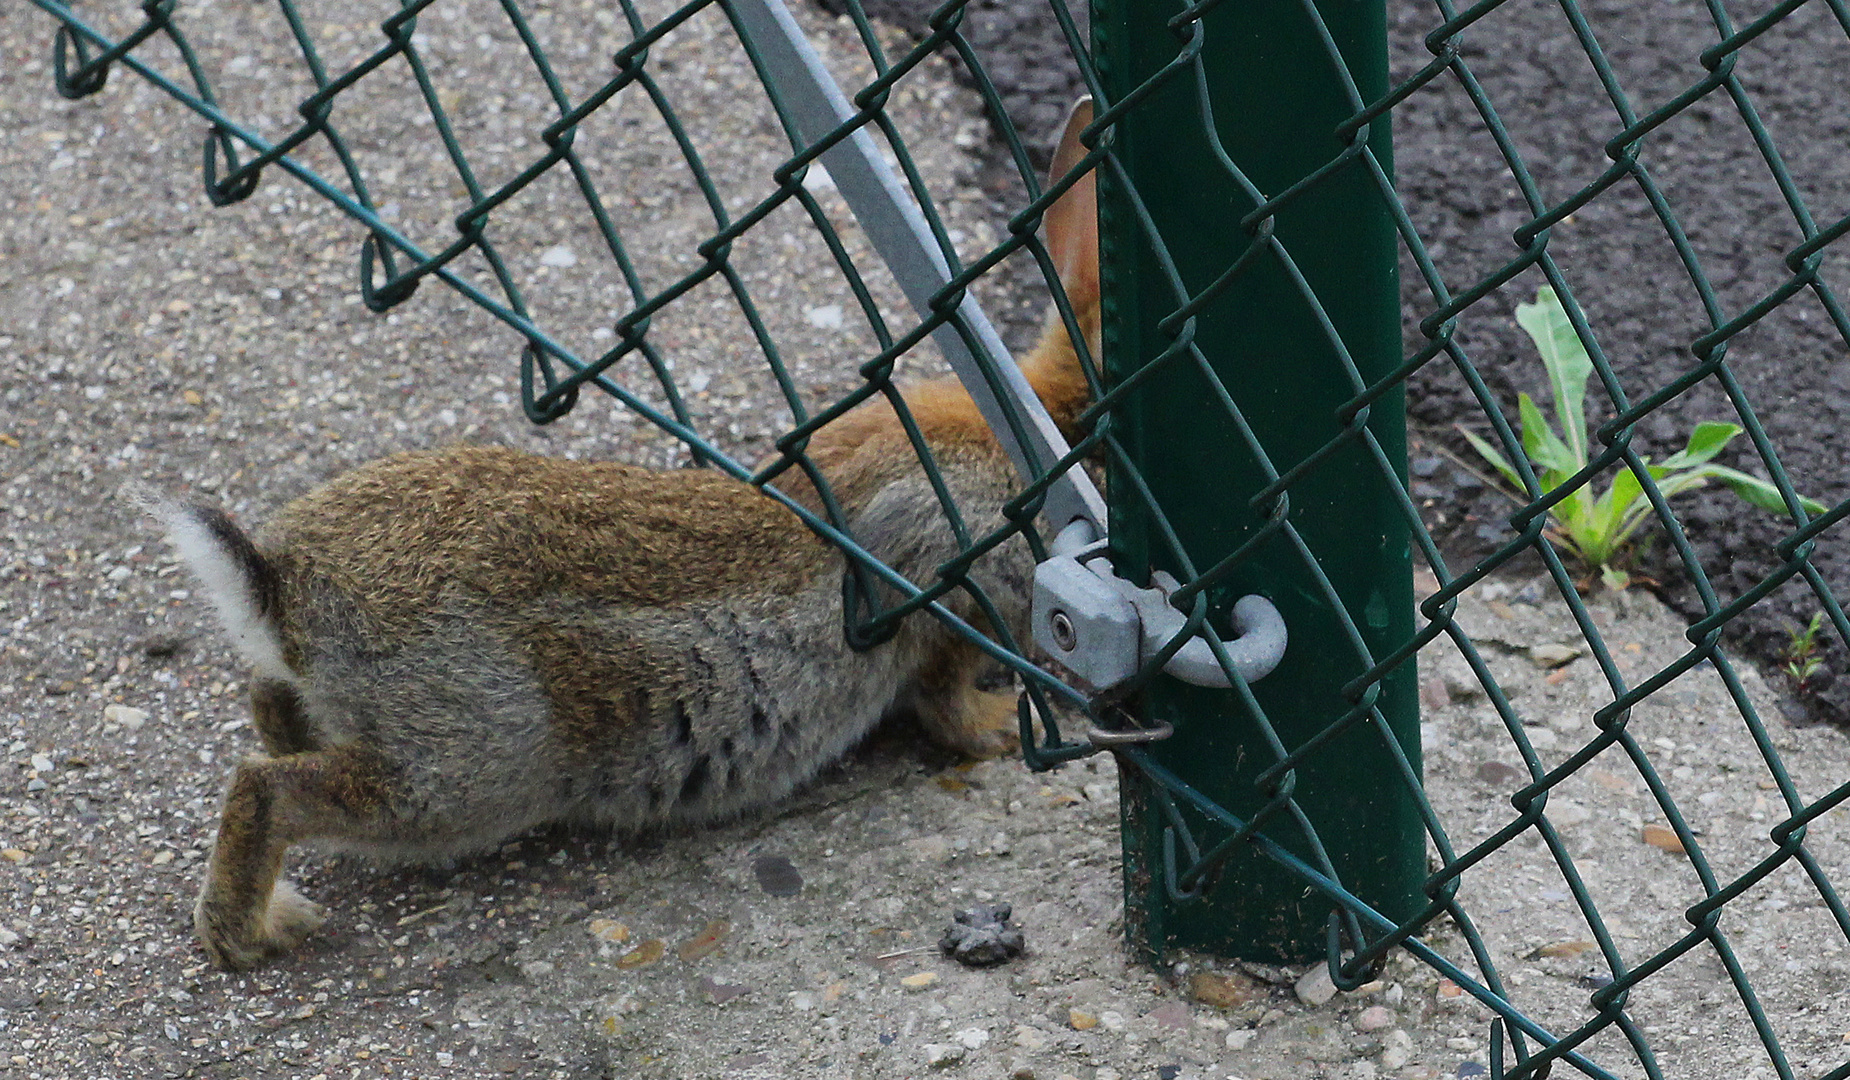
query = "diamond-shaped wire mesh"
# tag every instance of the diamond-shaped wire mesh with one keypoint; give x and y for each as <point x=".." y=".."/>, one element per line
<point x="593" y="135"/>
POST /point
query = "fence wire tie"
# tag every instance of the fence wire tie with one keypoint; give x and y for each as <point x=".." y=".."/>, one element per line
<point x="1104" y="629"/>
<point x="1105" y="738"/>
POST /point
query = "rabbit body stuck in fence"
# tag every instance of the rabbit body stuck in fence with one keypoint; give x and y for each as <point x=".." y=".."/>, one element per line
<point x="450" y="647"/>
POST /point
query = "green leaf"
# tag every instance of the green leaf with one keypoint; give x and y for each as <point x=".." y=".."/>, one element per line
<point x="1759" y="492"/>
<point x="1688" y="480"/>
<point x="1668" y="485"/>
<point x="1544" y="447"/>
<point x="1704" y="443"/>
<point x="1614" y="579"/>
<point x="1567" y="362"/>
<point x="1575" y="523"/>
<point x="1626" y="490"/>
<point x="1489" y="453"/>
<point x="1618" y="504"/>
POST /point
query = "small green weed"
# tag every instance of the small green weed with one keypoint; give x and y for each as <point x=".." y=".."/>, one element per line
<point x="1802" y="660"/>
<point x="1596" y="528"/>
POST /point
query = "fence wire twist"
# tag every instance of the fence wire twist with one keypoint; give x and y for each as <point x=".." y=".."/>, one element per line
<point x="1200" y="833"/>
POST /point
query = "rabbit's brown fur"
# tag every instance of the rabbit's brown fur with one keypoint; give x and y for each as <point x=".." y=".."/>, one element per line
<point x="451" y="647"/>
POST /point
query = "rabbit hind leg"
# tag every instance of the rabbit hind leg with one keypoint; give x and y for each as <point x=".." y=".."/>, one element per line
<point x="246" y="913"/>
<point x="276" y="713"/>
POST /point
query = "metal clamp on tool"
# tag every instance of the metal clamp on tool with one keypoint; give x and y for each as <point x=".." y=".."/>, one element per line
<point x="1103" y="629"/>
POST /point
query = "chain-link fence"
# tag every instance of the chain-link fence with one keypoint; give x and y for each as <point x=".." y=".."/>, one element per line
<point x="1246" y="415"/>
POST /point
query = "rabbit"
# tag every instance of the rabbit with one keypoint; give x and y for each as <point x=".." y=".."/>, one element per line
<point x="450" y="647"/>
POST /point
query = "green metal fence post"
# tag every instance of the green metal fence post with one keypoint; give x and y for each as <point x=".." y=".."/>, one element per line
<point x="1277" y="95"/>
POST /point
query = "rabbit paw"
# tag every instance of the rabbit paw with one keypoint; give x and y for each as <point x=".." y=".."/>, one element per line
<point x="984" y="724"/>
<point x="236" y="941"/>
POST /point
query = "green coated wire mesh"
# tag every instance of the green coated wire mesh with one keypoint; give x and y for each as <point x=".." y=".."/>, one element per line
<point x="461" y="143"/>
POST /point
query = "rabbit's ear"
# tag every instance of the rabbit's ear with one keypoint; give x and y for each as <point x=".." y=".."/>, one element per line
<point x="1072" y="221"/>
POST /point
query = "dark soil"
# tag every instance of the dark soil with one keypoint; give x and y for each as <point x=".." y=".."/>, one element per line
<point x="1615" y="253"/>
<point x="1019" y="46"/>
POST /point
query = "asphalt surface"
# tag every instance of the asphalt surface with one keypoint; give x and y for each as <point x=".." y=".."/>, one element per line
<point x="1457" y="188"/>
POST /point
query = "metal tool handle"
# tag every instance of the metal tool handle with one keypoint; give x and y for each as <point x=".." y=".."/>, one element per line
<point x="892" y="220"/>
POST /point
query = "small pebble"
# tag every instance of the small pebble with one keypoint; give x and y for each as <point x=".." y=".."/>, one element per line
<point x="943" y="1055"/>
<point x="609" y="930"/>
<point x="1314" y="986"/>
<point x="1221" y="991"/>
<point x="972" y="1038"/>
<point x="1433" y="694"/>
<point x="1174" y="1016"/>
<point x="1501" y="774"/>
<point x="1374" y="1018"/>
<point x="125" y="715"/>
<point x="704" y="943"/>
<point x="161" y="646"/>
<point x="927" y="849"/>
<point x="824" y="317"/>
<point x="1396" y="1050"/>
<point x="777" y="875"/>
<point x="1239" y="1040"/>
<point x="647" y="952"/>
<point x="1553" y="655"/>
<point x="1081" y="1021"/>
<point x="719" y="993"/>
<point x="1463" y="687"/>
<point x="919" y="981"/>
<point x="1566" y="813"/>
<point x="1663" y="838"/>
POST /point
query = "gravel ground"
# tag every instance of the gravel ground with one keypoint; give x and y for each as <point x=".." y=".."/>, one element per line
<point x="144" y="337"/>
